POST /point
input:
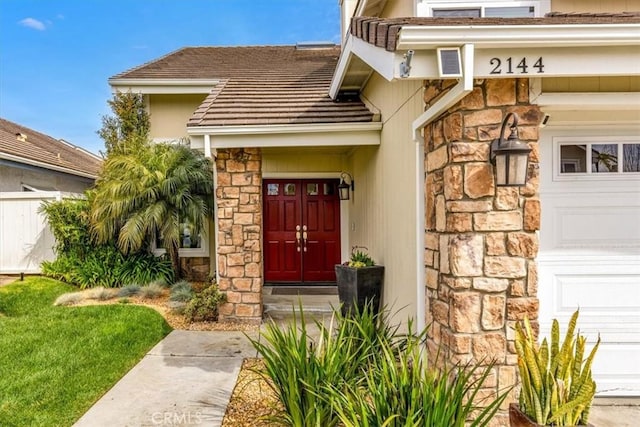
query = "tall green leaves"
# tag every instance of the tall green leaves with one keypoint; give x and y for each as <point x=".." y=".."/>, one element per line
<point x="359" y="372"/>
<point x="152" y="191"/>
<point x="556" y="382"/>
<point x="81" y="261"/>
<point x="128" y="130"/>
<point x="68" y="221"/>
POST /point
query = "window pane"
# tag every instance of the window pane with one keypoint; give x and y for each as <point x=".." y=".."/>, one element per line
<point x="604" y="158"/>
<point x="312" y="189"/>
<point x="631" y="158"/>
<point x="289" y="189"/>
<point x="449" y="13"/>
<point x="509" y="12"/>
<point x="573" y="158"/>
<point x="273" y="189"/>
<point x="329" y="189"/>
<point x="187" y="239"/>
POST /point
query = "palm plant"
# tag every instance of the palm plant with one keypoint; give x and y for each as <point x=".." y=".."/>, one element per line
<point x="149" y="191"/>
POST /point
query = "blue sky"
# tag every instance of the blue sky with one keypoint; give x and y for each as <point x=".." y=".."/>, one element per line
<point x="56" y="55"/>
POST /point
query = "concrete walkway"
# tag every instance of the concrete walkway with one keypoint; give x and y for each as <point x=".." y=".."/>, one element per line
<point x="186" y="379"/>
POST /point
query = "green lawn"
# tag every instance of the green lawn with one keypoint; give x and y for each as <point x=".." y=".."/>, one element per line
<point x="55" y="362"/>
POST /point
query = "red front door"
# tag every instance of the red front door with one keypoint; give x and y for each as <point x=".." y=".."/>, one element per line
<point x="302" y="230"/>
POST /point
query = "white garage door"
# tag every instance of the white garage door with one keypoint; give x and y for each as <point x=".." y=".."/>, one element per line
<point x="590" y="245"/>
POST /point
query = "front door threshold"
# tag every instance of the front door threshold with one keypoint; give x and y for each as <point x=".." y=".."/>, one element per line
<point x="281" y="302"/>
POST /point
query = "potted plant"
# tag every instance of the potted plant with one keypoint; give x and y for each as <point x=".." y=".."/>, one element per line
<point x="359" y="281"/>
<point x="556" y="384"/>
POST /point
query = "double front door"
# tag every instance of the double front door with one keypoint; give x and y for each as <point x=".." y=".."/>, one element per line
<point x="301" y="230"/>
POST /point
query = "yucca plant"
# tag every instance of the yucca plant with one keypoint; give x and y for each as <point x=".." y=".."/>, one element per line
<point x="557" y="387"/>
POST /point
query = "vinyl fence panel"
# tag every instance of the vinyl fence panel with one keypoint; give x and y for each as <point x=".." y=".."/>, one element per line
<point x="25" y="237"/>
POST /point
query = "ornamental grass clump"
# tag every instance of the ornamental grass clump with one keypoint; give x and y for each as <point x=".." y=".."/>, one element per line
<point x="401" y="389"/>
<point x="301" y="363"/>
<point x="360" y="372"/>
<point x="181" y="291"/>
<point x="557" y="387"/>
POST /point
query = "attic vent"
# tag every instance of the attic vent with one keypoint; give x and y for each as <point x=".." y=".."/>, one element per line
<point x="21" y="137"/>
<point x="348" y="96"/>
<point x="314" y="45"/>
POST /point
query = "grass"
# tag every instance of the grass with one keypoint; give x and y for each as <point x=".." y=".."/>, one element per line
<point x="57" y="361"/>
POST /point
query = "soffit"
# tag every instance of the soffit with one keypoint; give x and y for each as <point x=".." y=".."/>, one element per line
<point x="397" y="35"/>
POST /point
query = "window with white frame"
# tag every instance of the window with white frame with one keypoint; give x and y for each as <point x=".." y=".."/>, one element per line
<point x="191" y="245"/>
<point x="597" y="157"/>
<point x="485" y="9"/>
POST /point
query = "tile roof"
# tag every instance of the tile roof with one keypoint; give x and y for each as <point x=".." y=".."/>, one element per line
<point x="383" y="32"/>
<point x="27" y="146"/>
<point x="259" y="85"/>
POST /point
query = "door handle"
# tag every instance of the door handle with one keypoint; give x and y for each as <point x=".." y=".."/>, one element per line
<point x="304" y="237"/>
<point x="298" y="238"/>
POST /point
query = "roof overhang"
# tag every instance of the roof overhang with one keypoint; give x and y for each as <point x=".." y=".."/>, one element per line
<point x="566" y="51"/>
<point x="287" y="136"/>
<point x="42" y="165"/>
<point x="164" y="86"/>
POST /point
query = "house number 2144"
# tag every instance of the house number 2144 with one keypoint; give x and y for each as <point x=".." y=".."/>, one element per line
<point x="512" y="66"/>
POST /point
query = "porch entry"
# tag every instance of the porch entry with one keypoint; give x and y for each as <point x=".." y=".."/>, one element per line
<point x="301" y="230"/>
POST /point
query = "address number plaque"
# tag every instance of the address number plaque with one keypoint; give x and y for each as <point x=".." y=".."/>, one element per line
<point x="512" y="65"/>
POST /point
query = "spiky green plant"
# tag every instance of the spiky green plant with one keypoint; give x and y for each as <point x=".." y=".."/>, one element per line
<point x="557" y="387"/>
<point x="401" y="389"/>
<point x="300" y="362"/>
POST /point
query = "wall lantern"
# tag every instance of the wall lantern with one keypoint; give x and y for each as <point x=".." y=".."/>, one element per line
<point x="343" y="187"/>
<point x="511" y="157"/>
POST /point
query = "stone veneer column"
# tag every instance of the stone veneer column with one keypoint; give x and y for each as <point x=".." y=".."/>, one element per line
<point x="481" y="240"/>
<point x="239" y="202"/>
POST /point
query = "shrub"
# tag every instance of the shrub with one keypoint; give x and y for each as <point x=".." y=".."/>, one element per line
<point x="181" y="291"/>
<point x="62" y="268"/>
<point x="70" y="298"/>
<point x="100" y="293"/>
<point x="400" y="389"/>
<point x="204" y="305"/>
<point x="129" y="290"/>
<point x="151" y="291"/>
<point x="87" y="264"/>
<point x="300" y="367"/>
<point x="362" y="372"/>
<point x="360" y="258"/>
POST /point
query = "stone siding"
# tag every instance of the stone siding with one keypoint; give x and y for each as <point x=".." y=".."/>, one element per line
<point x="239" y="204"/>
<point x="195" y="269"/>
<point x="481" y="240"/>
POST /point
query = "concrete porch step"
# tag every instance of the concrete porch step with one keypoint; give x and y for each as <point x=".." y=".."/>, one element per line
<point x="280" y="303"/>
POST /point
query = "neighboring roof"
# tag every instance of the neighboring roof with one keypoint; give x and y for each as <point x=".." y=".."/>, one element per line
<point x="383" y="32"/>
<point x="258" y="85"/>
<point x="24" y="145"/>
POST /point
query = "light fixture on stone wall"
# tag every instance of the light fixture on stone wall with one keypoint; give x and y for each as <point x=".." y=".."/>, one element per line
<point x="343" y="187"/>
<point x="511" y="157"/>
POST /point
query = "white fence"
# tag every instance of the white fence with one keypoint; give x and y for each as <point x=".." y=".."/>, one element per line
<point x="25" y="237"/>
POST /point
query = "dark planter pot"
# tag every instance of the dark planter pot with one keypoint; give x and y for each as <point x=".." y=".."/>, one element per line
<point x="356" y="286"/>
<point x="517" y="418"/>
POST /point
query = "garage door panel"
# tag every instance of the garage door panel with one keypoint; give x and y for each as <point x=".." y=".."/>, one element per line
<point x="590" y="222"/>
<point x="618" y="369"/>
<point x="589" y="258"/>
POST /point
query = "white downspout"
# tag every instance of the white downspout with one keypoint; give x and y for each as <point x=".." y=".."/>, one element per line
<point x="207" y="154"/>
<point x="459" y="91"/>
